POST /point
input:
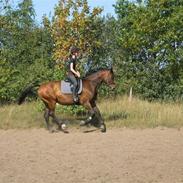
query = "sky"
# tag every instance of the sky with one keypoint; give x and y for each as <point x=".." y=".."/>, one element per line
<point x="47" y="6"/>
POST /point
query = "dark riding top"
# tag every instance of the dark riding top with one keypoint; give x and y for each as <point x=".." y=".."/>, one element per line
<point x="71" y="60"/>
<point x="72" y="77"/>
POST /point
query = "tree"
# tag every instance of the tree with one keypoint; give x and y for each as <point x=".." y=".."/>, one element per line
<point x="75" y="24"/>
<point x="26" y="50"/>
<point x="151" y="42"/>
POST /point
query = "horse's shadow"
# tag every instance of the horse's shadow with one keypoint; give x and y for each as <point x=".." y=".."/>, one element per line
<point x="92" y="126"/>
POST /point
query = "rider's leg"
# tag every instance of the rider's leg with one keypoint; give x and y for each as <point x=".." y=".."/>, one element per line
<point x="74" y="82"/>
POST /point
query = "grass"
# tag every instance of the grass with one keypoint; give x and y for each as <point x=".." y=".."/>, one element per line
<point x="141" y="114"/>
<point x="117" y="113"/>
<point x="24" y="116"/>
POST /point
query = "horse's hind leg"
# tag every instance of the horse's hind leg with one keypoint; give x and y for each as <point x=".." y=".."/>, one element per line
<point x="56" y="120"/>
<point x="49" y="111"/>
<point x="51" y="106"/>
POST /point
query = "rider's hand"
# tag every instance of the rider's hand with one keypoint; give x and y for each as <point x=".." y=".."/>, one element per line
<point x="73" y="56"/>
<point x="78" y="74"/>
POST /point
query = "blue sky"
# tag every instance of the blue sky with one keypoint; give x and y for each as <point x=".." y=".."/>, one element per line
<point x="47" y="6"/>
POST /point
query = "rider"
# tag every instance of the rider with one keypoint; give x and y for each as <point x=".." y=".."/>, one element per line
<point x="72" y="73"/>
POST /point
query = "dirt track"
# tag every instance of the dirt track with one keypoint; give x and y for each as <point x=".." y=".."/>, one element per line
<point x="135" y="156"/>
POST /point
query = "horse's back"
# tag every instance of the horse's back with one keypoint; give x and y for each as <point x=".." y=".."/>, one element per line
<point x="48" y="88"/>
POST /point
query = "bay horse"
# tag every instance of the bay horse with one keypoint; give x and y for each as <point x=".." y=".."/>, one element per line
<point x="50" y="94"/>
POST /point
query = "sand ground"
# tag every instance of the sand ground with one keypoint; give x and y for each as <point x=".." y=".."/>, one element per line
<point x="118" y="156"/>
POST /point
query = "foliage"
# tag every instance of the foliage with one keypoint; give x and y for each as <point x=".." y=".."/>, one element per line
<point x="151" y="43"/>
<point x="75" y="24"/>
<point x="25" y="48"/>
<point x="144" y="43"/>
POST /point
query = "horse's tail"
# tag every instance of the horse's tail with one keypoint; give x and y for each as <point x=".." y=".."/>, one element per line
<point x="28" y="90"/>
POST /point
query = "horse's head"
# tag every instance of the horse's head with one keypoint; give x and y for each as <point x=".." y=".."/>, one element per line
<point x="109" y="78"/>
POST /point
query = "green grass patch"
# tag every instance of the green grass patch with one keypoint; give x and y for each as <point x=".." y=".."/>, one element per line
<point x="118" y="112"/>
<point x="24" y="116"/>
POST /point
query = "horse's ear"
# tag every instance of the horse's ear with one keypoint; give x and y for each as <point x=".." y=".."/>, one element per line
<point x="111" y="70"/>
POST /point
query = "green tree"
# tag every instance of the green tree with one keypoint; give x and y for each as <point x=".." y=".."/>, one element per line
<point x="75" y="24"/>
<point x="150" y="41"/>
<point x="26" y="50"/>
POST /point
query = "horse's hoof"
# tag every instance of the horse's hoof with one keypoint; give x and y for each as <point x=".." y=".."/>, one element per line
<point x="63" y="126"/>
<point x="103" y="128"/>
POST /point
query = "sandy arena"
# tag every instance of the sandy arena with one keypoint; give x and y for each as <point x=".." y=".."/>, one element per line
<point x="118" y="156"/>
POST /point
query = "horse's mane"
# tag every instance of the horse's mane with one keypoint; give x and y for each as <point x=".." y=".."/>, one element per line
<point x="93" y="72"/>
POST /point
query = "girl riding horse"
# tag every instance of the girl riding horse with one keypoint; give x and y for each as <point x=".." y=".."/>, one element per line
<point x="72" y="74"/>
<point x="50" y="93"/>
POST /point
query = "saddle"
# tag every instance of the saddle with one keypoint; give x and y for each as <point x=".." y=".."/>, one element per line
<point x="67" y="87"/>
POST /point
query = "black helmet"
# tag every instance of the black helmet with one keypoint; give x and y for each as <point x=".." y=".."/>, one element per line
<point x="73" y="49"/>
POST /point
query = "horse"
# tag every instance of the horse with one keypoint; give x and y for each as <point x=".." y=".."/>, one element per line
<point x="50" y="93"/>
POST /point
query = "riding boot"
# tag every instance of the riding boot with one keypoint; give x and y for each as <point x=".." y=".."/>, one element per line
<point x="75" y="96"/>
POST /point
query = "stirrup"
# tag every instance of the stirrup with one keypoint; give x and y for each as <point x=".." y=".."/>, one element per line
<point x="76" y="99"/>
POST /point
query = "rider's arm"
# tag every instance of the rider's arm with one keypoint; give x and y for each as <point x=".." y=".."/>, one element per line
<point x="72" y="70"/>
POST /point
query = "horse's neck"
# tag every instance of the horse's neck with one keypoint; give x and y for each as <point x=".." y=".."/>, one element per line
<point x="96" y="78"/>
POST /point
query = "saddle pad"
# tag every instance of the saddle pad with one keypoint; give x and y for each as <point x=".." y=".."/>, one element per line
<point x="66" y="87"/>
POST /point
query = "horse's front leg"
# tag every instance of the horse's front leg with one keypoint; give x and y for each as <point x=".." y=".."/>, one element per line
<point x="102" y="125"/>
<point x="46" y="117"/>
<point x="94" y="112"/>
